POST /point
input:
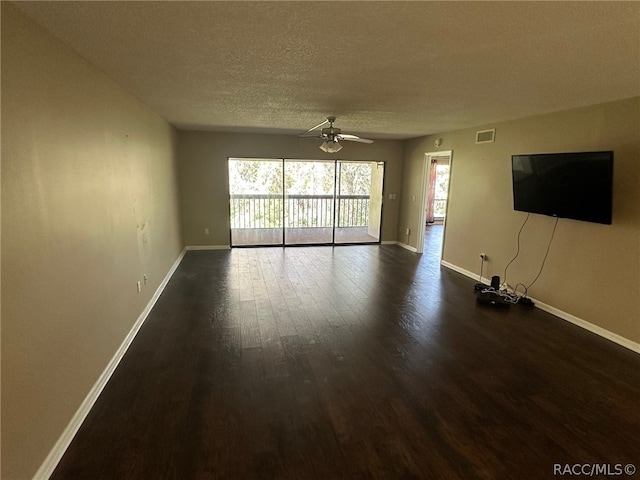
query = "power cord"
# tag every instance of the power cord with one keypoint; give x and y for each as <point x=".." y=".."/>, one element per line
<point x="545" y="257"/>
<point x="523" y="299"/>
<point x="504" y="283"/>
<point x="480" y="286"/>
<point x="505" y="295"/>
<point x="514" y="297"/>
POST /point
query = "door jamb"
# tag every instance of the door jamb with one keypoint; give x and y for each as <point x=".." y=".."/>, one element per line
<point x="422" y="220"/>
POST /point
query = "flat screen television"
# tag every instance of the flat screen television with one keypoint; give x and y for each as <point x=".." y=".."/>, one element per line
<point x="566" y="185"/>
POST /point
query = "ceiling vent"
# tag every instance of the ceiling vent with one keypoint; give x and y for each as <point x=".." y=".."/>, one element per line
<point x="486" y="136"/>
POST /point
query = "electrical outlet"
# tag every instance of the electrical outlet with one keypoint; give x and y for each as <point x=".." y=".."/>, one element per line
<point x="144" y="279"/>
<point x="484" y="256"/>
<point x="206" y="231"/>
<point x="408" y="231"/>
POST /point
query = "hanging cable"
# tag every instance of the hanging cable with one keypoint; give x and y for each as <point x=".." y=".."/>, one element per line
<point x="544" y="259"/>
<point x="524" y="292"/>
<point x="504" y="277"/>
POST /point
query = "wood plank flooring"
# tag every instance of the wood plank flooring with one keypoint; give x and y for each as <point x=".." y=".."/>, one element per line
<point x="355" y="362"/>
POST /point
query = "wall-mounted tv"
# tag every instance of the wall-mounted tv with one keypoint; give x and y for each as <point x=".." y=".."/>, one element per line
<point x="567" y="185"/>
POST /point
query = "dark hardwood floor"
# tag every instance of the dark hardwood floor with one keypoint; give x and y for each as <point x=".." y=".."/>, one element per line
<point x="353" y="362"/>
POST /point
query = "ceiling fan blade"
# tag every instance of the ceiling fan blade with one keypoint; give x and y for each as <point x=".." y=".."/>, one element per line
<point x="310" y="135"/>
<point x="314" y="128"/>
<point x="353" y="138"/>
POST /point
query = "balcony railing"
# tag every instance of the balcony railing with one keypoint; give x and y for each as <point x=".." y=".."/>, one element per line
<point x="298" y="211"/>
<point x="439" y="207"/>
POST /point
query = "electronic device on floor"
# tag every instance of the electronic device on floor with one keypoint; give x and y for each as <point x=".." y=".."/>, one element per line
<point x="492" y="299"/>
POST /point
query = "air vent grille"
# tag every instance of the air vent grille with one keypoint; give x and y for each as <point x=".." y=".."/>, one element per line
<point x="486" y="136"/>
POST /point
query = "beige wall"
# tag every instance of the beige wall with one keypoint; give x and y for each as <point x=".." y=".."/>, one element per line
<point x="204" y="183"/>
<point x="89" y="205"/>
<point x="593" y="271"/>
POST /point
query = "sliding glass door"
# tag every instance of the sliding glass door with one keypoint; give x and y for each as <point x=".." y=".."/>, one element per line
<point x="302" y="202"/>
<point x="359" y="211"/>
<point x="256" y="201"/>
<point x="309" y="196"/>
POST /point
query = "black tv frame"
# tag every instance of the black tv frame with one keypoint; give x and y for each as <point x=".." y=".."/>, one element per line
<point x="574" y="185"/>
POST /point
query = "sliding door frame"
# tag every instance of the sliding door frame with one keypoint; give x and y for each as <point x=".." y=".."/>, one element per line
<point x="336" y="206"/>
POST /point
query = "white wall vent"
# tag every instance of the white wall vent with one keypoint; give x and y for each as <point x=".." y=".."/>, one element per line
<point x="486" y="136"/>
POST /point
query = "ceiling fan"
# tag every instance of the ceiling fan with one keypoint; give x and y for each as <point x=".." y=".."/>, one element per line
<point x="332" y="136"/>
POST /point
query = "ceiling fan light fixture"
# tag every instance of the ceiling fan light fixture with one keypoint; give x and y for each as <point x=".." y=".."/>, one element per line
<point x="332" y="136"/>
<point x="330" y="146"/>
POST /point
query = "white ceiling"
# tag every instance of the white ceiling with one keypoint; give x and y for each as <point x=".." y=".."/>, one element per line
<point x="385" y="69"/>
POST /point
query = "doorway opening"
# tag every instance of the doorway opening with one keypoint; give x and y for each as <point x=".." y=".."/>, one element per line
<point x="304" y="202"/>
<point x="435" y="193"/>
<point x="436" y="210"/>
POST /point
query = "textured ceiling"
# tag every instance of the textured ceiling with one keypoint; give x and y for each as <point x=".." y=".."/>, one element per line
<point x="385" y="69"/>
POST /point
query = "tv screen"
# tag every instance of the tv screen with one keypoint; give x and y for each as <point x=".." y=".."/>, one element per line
<point x="567" y="185"/>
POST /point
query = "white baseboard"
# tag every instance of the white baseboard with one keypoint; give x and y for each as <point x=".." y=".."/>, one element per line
<point x="388" y="242"/>
<point x="614" y="337"/>
<point x="407" y="247"/>
<point x="208" y="247"/>
<point x="465" y="272"/>
<point x="58" y="450"/>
